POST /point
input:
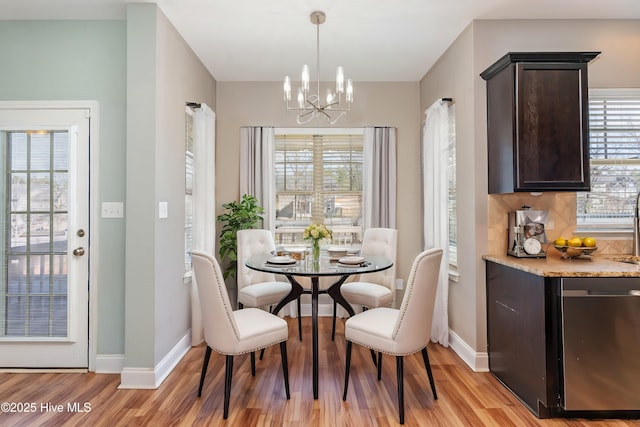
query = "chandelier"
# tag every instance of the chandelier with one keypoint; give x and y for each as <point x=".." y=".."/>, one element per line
<point x="311" y="105"/>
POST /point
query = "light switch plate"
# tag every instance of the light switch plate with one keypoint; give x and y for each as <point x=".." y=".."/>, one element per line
<point x="163" y="210"/>
<point x="112" y="210"/>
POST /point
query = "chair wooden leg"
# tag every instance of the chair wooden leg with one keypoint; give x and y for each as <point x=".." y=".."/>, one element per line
<point x="400" y="369"/>
<point x="346" y="371"/>
<point x="379" y="365"/>
<point x="262" y="350"/>
<point x="299" y="320"/>
<point x="373" y="353"/>
<point x="285" y="367"/>
<point x="207" y="356"/>
<point x="373" y="357"/>
<point x="253" y="363"/>
<point x="227" y="385"/>
<point x="333" y="327"/>
<point x="425" y="357"/>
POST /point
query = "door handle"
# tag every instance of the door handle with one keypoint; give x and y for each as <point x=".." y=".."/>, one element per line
<point x="78" y="251"/>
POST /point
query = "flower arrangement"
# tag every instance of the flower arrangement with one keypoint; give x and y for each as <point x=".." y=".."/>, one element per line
<point x="315" y="233"/>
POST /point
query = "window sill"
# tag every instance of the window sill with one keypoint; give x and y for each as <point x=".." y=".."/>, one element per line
<point x="604" y="232"/>
<point x="454" y="276"/>
<point x="186" y="279"/>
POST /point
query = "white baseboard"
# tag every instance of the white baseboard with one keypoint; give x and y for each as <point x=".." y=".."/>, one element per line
<point x="109" y="363"/>
<point x="151" y="378"/>
<point x="478" y="362"/>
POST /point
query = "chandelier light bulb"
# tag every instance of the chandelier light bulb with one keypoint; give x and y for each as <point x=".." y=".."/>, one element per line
<point x="300" y="98"/>
<point x="305" y="77"/>
<point x="330" y="98"/>
<point x="287" y="88"/>
<point x="339" y="80"/>
<point x="349" y="91"/>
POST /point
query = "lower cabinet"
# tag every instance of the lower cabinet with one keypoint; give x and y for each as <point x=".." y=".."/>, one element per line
<point x="523" y="336"/>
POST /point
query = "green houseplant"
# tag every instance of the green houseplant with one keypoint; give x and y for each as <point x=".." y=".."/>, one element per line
<point x="240" y="216"/>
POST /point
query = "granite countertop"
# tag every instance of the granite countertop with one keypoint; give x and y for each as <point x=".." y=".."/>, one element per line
<point x="586" y="266"/>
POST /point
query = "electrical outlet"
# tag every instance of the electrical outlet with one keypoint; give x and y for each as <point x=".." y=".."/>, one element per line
<point x="112" y="210"/>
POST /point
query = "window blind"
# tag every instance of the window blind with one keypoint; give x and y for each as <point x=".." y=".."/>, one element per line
<point x="452" y="188"/>
<point x="614" y="149"/>
<point x="318" y="179"/>
<point x="188" y="190"/>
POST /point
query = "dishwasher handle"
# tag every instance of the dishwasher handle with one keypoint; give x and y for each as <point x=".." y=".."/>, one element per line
<point x="568" y="293"/>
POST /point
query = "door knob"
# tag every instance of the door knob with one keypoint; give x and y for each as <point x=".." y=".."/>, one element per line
<point x="78" y="251"/>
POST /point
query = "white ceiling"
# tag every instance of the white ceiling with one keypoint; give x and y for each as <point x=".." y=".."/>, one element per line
<point x="374" y="40"/>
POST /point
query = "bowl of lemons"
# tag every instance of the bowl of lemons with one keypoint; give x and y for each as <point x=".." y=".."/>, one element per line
<point x="575" y="246"/>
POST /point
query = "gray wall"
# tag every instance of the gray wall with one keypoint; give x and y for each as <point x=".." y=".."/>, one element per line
<point x="375" y="104"/>
<point x="142" y="73"/>
<point x="457" y="73"/>
<point x="77" y="60"/>
<point x="162" y="75"/>
<point x="451" y="77"/>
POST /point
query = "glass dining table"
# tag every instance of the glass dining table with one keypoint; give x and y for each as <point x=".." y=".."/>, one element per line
<point x="314" y="270"/>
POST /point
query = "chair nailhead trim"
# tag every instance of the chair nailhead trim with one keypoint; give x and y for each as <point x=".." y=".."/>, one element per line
<point x="404" y="306"/>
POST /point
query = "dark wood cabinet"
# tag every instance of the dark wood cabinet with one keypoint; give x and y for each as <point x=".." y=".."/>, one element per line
<point x="537" y="122"/>
<point x="561" y="344"/>
<point x="523" y="342"/>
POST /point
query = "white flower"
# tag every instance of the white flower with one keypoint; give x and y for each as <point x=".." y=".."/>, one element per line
<point x="316" y="232"/>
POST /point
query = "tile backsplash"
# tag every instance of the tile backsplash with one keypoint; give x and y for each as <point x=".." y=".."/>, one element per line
<point x="561" y="219"/>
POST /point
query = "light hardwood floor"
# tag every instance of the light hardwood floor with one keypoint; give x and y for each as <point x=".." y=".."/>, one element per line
<point x="465" y="398"/>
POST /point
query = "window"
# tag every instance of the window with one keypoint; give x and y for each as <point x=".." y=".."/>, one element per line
<point x="188" y="190"/>
<point x="35" y="272"/>
<point x="614" y="147"/>
<point x="319" y="179"/>
<point x="451" y="177"/>
<point x="199" y="184"/>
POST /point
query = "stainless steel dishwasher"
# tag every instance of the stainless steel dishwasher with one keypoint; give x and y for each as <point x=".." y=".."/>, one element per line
<point x="601" y="343"/>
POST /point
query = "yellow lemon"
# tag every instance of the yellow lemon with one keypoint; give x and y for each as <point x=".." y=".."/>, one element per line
<point x="589" y="242"/>
<point x="575" y="241"/>
<point x="560" y="241"/>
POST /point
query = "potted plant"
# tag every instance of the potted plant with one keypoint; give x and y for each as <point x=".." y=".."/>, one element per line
<point x="240" y="216"/>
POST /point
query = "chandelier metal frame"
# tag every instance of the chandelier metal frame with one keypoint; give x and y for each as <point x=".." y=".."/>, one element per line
<point x="311" y="106"/>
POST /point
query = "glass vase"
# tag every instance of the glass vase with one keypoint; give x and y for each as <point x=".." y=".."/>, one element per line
<point x="315" y="250"/>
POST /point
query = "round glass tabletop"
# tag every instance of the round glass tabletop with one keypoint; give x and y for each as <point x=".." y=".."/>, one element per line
<point x="325" y="267"/>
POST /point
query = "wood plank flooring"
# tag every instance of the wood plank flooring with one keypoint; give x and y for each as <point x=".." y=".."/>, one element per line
<point x="465" y="398"/>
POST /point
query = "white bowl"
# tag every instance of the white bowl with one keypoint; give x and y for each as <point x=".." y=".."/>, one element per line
<point x="335" y="252"/>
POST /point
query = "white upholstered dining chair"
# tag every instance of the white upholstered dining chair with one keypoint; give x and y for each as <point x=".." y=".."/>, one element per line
<point x="373" y="289"/>
<point x="231" y="332"/>
<point x="256" y="288"/>
<point x="400" y="332"/>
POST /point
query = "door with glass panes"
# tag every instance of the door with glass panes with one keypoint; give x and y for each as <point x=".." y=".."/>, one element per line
<point x="44" y="304"/>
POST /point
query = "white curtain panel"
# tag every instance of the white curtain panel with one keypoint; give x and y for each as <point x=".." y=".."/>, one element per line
<point x="204" y="222"/>
<point x="257" y="177"/>
<point x="379" y="184"/>
<point x="435" y="142"/>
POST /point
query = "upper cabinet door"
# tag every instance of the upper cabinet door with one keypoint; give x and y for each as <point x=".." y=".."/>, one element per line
<point x="538" y="122"/>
